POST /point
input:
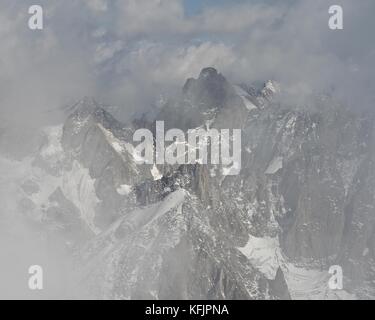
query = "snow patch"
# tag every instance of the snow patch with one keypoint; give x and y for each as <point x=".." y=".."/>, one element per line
<point x="275" y="165"/>
<point x="304" y="284"/>
<point x="124" y="190"/>
<point x="244" y="96"/>
<point x="53" y="148"/>
<point x="78" y="186"/>
<point x="311" y="284"/>
<point x="272" y="86"/>
<point x="139" y="218"/>
<point x="121" y="147"/>
<point x="156" y="173"/>
<point x="263" y="253"/>
<point x="118" y="145"/>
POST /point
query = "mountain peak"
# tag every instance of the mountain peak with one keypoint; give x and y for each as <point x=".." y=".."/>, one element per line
<point x="208" y="73"/>
<point x="272" y="86"/>
<point x="270" y="89"/>
<point x="210" y="88"/>
<point x="85" y="105"/>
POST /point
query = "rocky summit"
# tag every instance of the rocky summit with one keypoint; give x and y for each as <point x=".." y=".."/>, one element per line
<point x="302" y="202"/>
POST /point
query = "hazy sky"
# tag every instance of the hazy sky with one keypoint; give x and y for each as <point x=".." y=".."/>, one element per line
<point x="128" y="52"/>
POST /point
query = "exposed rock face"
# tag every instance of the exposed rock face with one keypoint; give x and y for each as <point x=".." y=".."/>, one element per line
<point x="100" y="143"/>
<point x="279" y="287"/>
<point x="306" y="176"/>
<point x="185" y="228"/>
<point x="304" y="199"/>
<point x="321" y="192"/>
<point x="169" y="250"/>
<point x="209" y="97"/>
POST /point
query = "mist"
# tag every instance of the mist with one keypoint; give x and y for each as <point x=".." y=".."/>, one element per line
<point x="134" y="54"/>
<point x="129" y="53"/>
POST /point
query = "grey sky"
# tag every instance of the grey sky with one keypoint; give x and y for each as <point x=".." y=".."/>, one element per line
<point x="128" y="52"/>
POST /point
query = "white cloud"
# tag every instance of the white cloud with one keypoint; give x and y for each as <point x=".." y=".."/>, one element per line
<point x="239" y="18"/>
<point x="97" y="5"/>
<point x="137" y="17"/>
<point x="126" y="51"/>
<point x="169" y="64"/>
<point x="105" y="51"/>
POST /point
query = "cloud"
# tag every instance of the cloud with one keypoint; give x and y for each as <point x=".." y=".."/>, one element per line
<point x="97" y="5"/>
<point x="126" y="52"/>
<point x="151" y="69"/>
<point x="38" y="72"/>
<point x="238" y="18"/>
<point x="289" y="41"/>
<point x="167" y="17"/>
<point x="302" y="51"/>
<point x="139" y="17"/>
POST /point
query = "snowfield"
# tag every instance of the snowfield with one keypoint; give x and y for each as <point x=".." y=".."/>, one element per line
<point x="304" y="284"/>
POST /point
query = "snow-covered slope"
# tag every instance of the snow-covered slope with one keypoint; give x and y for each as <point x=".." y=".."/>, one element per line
<point x="304" y="283"/>
<point x="303" y="200"/>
